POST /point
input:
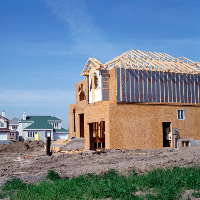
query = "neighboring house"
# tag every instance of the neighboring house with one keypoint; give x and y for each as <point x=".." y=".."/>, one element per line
<point x="4" y="127"/>
<point x="38" y="127"/>
<point x="14" y="129"/>
<point x="137" y="101"/>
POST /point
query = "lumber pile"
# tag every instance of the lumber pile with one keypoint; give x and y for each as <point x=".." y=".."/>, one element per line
<point x="73" y="151"/>
<point x="61" y="141"/>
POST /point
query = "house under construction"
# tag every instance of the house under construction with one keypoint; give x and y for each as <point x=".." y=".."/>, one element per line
<point x="138" y="100"/>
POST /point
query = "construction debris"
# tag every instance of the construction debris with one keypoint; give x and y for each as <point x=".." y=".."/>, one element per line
<point x="73" y="151"/>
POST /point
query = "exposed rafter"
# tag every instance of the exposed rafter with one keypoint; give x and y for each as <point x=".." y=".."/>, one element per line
<point x="88" y="65"/>
<point x="146" y="61"/>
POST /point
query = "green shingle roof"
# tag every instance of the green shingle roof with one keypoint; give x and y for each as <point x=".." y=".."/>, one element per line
<point x="55" y="118"/>
<point x="40" y="122"/>
<point x="60" y="130"/>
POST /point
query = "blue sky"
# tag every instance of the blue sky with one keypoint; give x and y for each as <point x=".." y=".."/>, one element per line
<point x="44" y="44"/>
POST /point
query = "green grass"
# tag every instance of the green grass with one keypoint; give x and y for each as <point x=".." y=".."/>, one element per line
<point x="168" y="183"/>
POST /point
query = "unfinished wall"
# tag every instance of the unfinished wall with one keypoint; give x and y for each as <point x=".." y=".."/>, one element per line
<point x="137" y="126"/>
<point x="95" y="113"/>
<point x="78" y="108"/>
<point x="132" y="125"/>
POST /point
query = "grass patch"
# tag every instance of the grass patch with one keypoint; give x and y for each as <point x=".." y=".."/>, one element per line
<point x="196" y="194"/>
<point x="168" y="183"/>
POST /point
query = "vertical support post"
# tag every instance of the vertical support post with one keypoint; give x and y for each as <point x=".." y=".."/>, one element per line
<point x="48" y="146"/>
<point x="93" y="83"/>
<point x="174" y="141"/>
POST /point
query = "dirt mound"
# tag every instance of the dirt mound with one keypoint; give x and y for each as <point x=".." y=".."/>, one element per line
<point x="22" y="147"/>
<point x="28" y="160"/>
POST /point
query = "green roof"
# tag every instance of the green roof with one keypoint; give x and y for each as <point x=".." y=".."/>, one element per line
<point x="55" y="119"/>
<point x="40" y="122"/>
<point x="60" y="130"/>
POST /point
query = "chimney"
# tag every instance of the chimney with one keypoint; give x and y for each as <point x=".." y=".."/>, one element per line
<point x="24" y="116"/>
<point x="3" y="113"/>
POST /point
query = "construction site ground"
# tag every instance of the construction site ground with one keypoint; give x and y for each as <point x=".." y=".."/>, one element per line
<point x="28" y="160"/>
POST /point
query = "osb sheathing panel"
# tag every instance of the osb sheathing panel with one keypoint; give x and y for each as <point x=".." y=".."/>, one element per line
<point x="79" y="108"/>
<point x="95" y="113"/>
<point x="132" y="126"/>
<point x="136" y="126"/>
<point x="113" y="84"/>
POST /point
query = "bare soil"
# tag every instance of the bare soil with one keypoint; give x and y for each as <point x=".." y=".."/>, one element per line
<point x="28" y="161"/>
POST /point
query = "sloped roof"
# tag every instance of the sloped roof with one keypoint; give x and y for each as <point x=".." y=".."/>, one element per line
<point x="55" y="119"/>
<point x="62" y="130"/>
<point x="146" y="61"/>
<point x="40" y="122"/>
<point x="14" y="121"/>
<point x="5" y="119"/>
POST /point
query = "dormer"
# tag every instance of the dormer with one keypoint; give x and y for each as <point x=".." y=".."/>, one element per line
<point x="4" y="122"/>
<point x="98" y="81"/>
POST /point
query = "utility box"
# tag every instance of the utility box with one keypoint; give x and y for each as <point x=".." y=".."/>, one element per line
<point x="174" y="131"/>
<point x="36" y="136"/>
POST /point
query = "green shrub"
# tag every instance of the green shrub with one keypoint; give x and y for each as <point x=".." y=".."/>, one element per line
<point x="52" y="175"/>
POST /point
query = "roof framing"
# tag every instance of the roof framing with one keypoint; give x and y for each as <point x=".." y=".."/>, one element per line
<point x="146" y="61"/>
<point x="92" y="62"/>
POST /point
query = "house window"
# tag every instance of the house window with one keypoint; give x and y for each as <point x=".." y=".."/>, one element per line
<point x="14" y="127"/>
<point x="1" y="124"/>
<point x="31" y="134"/>
<point x="47" y="133"/>
<point x="55" y="125"/>
<point x="11" y="134"/>
<point x="180" y="114"/>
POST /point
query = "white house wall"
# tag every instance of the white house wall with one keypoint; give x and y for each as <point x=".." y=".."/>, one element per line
<point x="41" y="133"/>
<point x="4" y="123"/>
<point x="22" y="126"/>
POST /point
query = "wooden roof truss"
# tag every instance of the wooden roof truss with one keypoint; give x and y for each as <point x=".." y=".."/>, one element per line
<point x="92" y="62"/>
<point x="146" y="61"/>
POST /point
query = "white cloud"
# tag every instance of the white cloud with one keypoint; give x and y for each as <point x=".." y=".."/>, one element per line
<point x="88" y="37"/>
<point x="78" y="18"/>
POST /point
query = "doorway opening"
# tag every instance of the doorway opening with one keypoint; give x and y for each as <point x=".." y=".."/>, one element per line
<point x="81" y="116"/>
<point x="166" y="134"/>
<point x="97" y="135"/>
<point x="185" y="143"/>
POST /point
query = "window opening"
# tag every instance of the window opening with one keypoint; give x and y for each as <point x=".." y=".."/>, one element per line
<point x="74" y="112"/>
<point x="31" y="134"/>
<point x="55" y="125"/>
<point x="1" y="124"/>
<point x="11" y="134"/>
<point x="185" y="143"/>
<point x="180" y="114"/>
<point x="96" y="80"/>
<point x="81" y="93"/>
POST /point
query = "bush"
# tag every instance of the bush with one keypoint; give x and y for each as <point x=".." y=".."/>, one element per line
<point x="52" y="175"/>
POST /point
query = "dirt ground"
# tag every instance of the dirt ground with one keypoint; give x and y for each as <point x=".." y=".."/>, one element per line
<point x="29" y="162"/>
